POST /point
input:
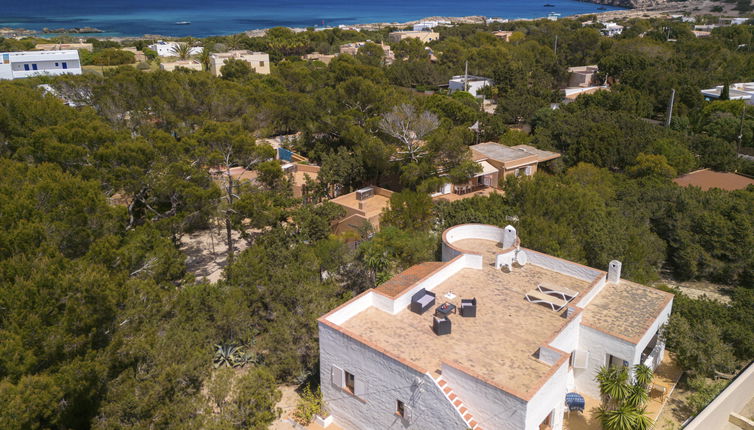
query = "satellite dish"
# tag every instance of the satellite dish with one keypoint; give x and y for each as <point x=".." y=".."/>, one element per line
<point x="522" y="258"/>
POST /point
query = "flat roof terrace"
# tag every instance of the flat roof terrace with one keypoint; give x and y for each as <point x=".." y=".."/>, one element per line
<point x="499" y="344"/>
<point x="371" y="206"/>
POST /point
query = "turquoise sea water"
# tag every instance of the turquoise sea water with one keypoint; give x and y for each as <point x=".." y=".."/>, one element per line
<point x="208" y="17"/>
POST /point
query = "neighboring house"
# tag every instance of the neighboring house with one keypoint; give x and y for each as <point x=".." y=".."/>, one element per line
<point x="582" y="76"/>
<point x="541" y="327"/>
<point x="496" y="161"/>
<point x="24" y="64"/>
<point x="424" y="36"/>
<point x="63" y="46"/>
<point x="297" y="173"/>
<point x="570" y="94"/>
<point x="469" y="83"/>
<point x="259" y="61"/>
<point x="167" y="49"/>
<point x="733" y="21"/>
<point x="707" y="179"/>
<point x="611" y="29"/>
<point x="738" y="91"/>
<point x="353" y="49"/>
<point x="505" y="35"/>
<point x="732" y="409"/>
<point x="363" y="207"/>
<point x="429" y="25"/>
<point x="316" y="56"/>
<point x="701" y="34"/>
<point x="519" y="160"/>
<point x="169" y="66"/>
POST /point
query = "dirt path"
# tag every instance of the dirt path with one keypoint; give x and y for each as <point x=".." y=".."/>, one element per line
<point x="696" y="290"/>
<point x="287" y="403"/>
<point x="207" y="252"/>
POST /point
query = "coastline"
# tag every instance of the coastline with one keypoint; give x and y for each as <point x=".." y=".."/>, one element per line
<point x="690" y="7"/>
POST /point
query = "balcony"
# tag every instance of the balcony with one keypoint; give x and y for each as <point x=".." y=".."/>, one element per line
<point x="666" y="376"/>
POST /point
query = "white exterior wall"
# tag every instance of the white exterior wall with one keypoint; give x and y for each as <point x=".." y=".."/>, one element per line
<point x="562" y="266"/>
<point x="549" y="399"/>
<point x="475" y="85"/>
<point x="47" y="63"/>
<point x="469" y="231"/>
<point x="492" y="408"/>
<point x="656" y="326"/>
<point x="599" y="344"/>
<point x="386" y="381"/>
<point x="568" y="339"/>
<point x="167" y="49"/>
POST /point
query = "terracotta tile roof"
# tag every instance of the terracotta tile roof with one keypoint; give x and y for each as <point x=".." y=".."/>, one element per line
<point x="404" y="280"/>
<point x="706" y="179"/>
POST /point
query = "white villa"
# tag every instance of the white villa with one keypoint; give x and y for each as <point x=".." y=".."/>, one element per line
<point x="24" y="64"/>
<point x="737" y="91"/>
<point x="539" y="327"/>
<point x="167" y="49"/>
<point x="259" y="61"/>
<point x="469" y="83"/>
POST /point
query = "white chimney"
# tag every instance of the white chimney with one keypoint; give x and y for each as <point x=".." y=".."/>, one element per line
<point x="509" y="237"/>
<point x="613" y="272"/>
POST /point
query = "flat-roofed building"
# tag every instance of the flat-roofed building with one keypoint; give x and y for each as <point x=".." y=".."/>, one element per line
<point x="469" y="83"/>
<point x="24" y="64"/>
<point x="417" y="352"/>
<point x="496" y="161"/>
<point x="63" y="46"/>
<point x="168" y="49"/>
<point x="169" y="66"/>
<point x="353" y="49"/>
<point x="707" y="179"/>
<point x="582" y="76"/>
<point x="505" y="35"/>
<point x="363" y="208"/>
<point x="259" y="61"/>
<point x="424" y="36"/>
<point x="316" y="56"/>
<point x="738" y="91"/>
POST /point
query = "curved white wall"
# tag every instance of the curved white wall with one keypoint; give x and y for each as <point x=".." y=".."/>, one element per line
<point x="468" y="231"/>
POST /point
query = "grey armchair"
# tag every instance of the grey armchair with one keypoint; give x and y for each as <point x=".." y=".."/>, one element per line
<point x="468" y="308"/>
<point x="441" y="326"/>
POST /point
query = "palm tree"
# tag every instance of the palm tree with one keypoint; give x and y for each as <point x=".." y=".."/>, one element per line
<point x="181" y="50"/>
<point x="204" y="57"/>
<point x="623" y="402"/>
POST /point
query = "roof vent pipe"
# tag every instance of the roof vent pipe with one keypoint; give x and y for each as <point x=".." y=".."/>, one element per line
<point x="509" y="237"/>
<point x="613" y="272"/>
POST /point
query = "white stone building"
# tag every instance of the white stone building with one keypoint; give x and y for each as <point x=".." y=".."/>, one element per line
<point x="737" y="91"/>
<point x="167" y="49"/>
<point x="469" y="83"/>
<point x="543" y="326"/>
<point x="259" y="61"/>
<point x="24" y="64"/>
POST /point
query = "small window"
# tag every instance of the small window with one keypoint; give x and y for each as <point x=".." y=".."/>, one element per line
<point x="34" y="67"/>
<point x="350" y="382"/>
<point x="261" y="64"/>
<point x="400" y="409"/>
<point x="56" y="64"/>
<point x="26" y="67"/>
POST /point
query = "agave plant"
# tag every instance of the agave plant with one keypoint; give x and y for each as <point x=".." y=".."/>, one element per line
<point x="224" y="355"/>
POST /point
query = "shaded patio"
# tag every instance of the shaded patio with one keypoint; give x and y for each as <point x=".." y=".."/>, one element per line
<point x="666" y="375"/>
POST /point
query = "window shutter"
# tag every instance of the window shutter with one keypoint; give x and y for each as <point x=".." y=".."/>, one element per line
<point x="528" y="170"/>
<point x="407" y="413"/>
<point x="580" y="359"/>
<point x="359" y="387"/>
<point x="338" y="376"/>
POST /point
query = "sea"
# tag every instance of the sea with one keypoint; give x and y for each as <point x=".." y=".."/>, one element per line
<point x="221" y="17"/>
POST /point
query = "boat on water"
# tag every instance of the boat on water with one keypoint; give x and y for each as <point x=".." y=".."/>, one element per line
<point x="183" y="22"/>
<point x="549" y="5"/>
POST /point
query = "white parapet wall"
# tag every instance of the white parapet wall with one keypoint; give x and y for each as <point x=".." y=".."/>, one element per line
<point x="563" y="266"/>
<point x="730" y="401"/>
<point x="468" y="231"/>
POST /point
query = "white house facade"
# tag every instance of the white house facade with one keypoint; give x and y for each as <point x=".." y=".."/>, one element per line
<point x="513" y="331"/>
<point x="469" y="83"/>
<point x="24" y="64"/>
<point x="168" y="49"/>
